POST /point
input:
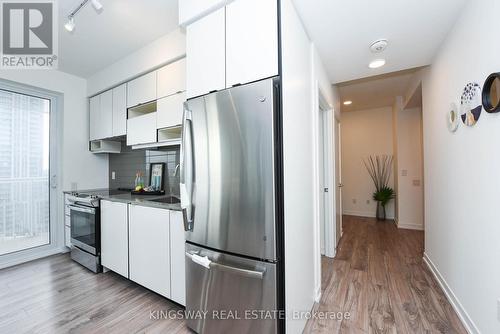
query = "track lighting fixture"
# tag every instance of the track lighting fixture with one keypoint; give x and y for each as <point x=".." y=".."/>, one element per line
<point x="97" y="5"/>
<point x="70" y="24"/>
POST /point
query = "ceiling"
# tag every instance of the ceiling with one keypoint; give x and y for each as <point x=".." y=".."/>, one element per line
<point x="343" y="31"/>
<point x="375" y="92"/>
<point x="122" y="27"/>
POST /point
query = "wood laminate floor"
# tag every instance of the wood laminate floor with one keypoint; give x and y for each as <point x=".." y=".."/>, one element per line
<point x="56" y="295"/>
<point x="378" y="277"/>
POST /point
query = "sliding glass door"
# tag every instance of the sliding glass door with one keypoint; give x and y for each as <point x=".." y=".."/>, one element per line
<point x="24" y="171"/>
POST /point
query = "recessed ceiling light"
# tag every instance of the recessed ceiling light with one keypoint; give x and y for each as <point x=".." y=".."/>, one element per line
<point x="70" y="25"/>
<point x="377" y="63"/>
<point x="347" y="103"/>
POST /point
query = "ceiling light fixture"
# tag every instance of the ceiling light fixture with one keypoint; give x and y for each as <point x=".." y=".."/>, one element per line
<point x="97" y="5"/>
<point x="377" y="63"/>
<point x="379" y="46"/>
<point x="347" y="103"/>
<point x="70" y="24"/>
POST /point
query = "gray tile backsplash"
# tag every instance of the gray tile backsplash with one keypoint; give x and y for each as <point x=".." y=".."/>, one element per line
<point x="127" y="163"/>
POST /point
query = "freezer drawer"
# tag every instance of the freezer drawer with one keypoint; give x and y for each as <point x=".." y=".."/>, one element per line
<point x="231" y="290"/>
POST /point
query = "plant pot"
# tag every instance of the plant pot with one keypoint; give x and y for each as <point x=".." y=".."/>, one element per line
<point x="380" y="211"/>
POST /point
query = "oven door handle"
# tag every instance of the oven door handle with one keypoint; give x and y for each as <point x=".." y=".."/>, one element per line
<point x="82" y="209"/>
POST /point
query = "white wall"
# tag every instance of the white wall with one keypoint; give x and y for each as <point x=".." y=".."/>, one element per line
<point x="410" y="196"/>
<point x="462" y="180"/>
<point x="298" y="141"/>
<point x="364" y="133"/>
<point x="164" y="50"/>
<point x="79" y="166"/>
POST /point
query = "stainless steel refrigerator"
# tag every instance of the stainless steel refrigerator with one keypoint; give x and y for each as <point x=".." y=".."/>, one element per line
<point x="229" y="189"/>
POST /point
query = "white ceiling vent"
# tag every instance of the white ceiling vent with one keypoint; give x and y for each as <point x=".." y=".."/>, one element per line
<point x="378" y="46"/>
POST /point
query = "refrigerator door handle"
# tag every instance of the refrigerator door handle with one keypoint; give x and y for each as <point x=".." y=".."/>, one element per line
<point x="204" y="261"/>
<point x="186" y="169"/>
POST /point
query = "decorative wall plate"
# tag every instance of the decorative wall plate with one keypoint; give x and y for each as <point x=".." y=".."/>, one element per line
<point x="452" y="118"/>
<point x="471" y="104"/>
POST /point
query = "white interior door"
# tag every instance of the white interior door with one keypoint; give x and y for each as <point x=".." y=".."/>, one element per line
<point x="338" y="178"/>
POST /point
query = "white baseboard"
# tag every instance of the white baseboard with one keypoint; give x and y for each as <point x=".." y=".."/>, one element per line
<point x="452" y="298"/>
<point x="363" y="214"/>
<point x="32" y="256"/>
<point x="410" y="226"/>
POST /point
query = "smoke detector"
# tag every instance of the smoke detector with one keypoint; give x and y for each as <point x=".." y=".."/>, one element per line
<point x="379" y="46"/>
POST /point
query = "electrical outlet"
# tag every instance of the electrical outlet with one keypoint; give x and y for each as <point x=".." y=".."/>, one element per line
<point x="354" y="201"/>
<point x="113" y="175"/>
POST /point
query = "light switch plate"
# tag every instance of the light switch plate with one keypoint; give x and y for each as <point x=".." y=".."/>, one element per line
<point x="404" y="172"/>
<point x="113" y="175"/>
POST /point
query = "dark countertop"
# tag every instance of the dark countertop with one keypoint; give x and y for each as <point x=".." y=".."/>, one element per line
<point x="127" y="197"/>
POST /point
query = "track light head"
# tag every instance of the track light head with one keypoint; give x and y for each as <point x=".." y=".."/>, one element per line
<point x="97" y="5"/>
<point x="70" y="25"/>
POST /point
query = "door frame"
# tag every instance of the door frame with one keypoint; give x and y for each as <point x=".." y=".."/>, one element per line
<point x="338" y="183"/>
<point x="326" y="112"/>
<point x="56" y="225"/>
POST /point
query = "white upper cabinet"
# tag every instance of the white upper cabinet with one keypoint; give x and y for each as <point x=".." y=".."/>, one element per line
<point x="177" y="258"/>
<point x="106" y="115"/>
<point x="141" y="129"/>
<point x="192" y="10"/>
<point x="120" y="110"/>
<point x="251" y="41"/>
<point x="171" y="79"/>
<point x="94" y="109"/>
<point x="101" y="116"/>
<point x="205" y="54"/>
<point x="169" y="110"/>
<point x="141" y="90"/>
<point x="114" y="236"/>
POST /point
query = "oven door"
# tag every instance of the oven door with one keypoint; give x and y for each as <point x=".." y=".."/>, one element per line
<point x="83" y="228"/>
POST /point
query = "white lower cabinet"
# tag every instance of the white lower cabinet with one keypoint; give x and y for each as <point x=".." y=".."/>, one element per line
<point x="177" y="258"/>
<point x="149" y="250"/>
<point x="114" y="236"/>
<point x="67" y="236"/>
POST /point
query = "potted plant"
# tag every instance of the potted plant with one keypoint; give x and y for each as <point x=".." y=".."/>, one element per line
<point x="380" y="169"/>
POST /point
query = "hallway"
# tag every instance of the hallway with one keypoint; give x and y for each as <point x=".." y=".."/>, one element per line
<point x="379" y="277"/>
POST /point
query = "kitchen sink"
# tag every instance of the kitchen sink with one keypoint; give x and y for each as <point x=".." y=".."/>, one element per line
<point x="167" y="199"/>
